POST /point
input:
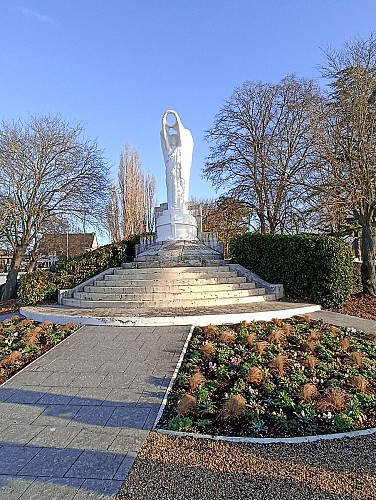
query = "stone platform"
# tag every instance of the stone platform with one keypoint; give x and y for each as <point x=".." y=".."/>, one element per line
<point x="197" y="316"/>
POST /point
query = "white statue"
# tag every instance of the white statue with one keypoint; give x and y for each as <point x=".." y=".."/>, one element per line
<point x="177" y="148"/>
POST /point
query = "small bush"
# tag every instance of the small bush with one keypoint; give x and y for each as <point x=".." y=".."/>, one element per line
<point x="314" y="268"/>
<point x="42" y="285"/>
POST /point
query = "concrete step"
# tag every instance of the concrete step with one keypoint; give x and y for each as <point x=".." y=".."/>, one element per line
<point x="169" y="304"/>
<point x="171" y="276"/>
<point x="162" y="287"/>
<point x="163" y="296"/>
<point x="110" y="281"/>
<point x="172" y="270"/>
<point x="215" y="262"/>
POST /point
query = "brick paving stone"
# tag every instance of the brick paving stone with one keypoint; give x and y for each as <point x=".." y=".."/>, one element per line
<point x="56" y="399"/>
<point x="51" y="462"/>
<point x="95" y="465"/>
<point x="28" y="378"/>
<point x="91" y="396"/>
<point x="20" y="413"/>
<point x="119" y="397"/>
<point x="118" y="380"/>
<point x="57" y="415"/>
<point x="88" y="379"/>
<point x="12" y="487"/>
<point x="6" y="393"/>
<point x="97" y="489"/>
<point x="56" y="437"/>
<point x="26" y="397"/>
<point x="93" y="415"/>
<point x="14" y="458"/>
<point x="60" y="379"/>
<point x="128" y="441"/>
<point x="52" y="489"/>
<point x="130" y="417"/>
<point x="95" y="439"/>
<point x="20" y="434"/>
<point x="121" y="366"/>
<point x="125" y="466"/>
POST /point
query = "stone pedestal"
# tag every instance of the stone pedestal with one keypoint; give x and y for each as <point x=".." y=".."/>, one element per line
<point x="177" y="253"/>
<point x="176" y="225"/>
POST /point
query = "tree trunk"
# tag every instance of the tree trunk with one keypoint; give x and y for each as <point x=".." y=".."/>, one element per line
<point x="10" y="287"/>
<point x="368" y="258"/>
<point x="261" y="217"/>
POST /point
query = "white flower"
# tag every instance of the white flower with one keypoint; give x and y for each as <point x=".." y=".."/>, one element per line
<point x="327" y="415"/>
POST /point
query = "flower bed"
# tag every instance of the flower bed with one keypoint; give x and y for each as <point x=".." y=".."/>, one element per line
<point x="23" y="340"/>
<point x="287" y="378"/>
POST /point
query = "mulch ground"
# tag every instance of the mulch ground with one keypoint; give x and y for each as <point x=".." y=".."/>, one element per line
<point x="9" y="307"/>
<point x="360" y="305"/>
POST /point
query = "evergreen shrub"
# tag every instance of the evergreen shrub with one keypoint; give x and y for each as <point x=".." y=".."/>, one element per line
<point x="42" y="285"/>
<point x="315" y="268"/>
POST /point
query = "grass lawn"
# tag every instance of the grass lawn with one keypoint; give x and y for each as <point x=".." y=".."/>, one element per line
<point x="286" y="378"/>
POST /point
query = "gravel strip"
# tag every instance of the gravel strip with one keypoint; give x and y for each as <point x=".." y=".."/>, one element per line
<point x="177" y="468"/>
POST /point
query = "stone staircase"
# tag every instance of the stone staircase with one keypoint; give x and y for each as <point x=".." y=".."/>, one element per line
<point x="168" y="287"/>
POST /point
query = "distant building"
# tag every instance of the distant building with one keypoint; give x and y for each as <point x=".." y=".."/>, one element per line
<point x="5" y="260"/>
<point x="57" y="246"/>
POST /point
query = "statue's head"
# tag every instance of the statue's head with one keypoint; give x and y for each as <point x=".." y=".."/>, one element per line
<point x="171" y="119"/>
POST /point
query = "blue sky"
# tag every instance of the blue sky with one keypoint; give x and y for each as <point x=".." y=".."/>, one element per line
<point x="117" y="65"/>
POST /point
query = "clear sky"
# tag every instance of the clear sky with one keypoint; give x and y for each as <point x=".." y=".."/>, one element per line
<point x="117" y="65"/>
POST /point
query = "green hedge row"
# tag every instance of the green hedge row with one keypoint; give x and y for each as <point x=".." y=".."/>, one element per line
<point x="318" y="269"/>
<point x="42" y="285"/>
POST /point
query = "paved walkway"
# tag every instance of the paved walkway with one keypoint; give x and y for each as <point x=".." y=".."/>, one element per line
<point x="366" y="325"/>
<point x="72" y="422"/>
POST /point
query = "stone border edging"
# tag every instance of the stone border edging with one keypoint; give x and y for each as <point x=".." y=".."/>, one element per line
<point x="290" y="440"/>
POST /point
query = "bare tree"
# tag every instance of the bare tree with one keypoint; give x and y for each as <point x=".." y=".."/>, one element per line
<point x="113" y="215"/>
<point x="264" y="145"/>
<point x="131" y="194"/>
<point x="47" y="170"/>
<point x="150" y="187"/>
<point x="130" y="210"/>
<point x="346" y="128"/>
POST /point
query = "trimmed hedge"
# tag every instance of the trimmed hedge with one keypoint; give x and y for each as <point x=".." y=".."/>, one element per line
<point x="315" y="268"/>
<point x="42" y="285"/>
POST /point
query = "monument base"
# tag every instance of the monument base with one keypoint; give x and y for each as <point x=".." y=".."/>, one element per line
<point x="177" y="253"/>
<point x="176" y="225"/>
